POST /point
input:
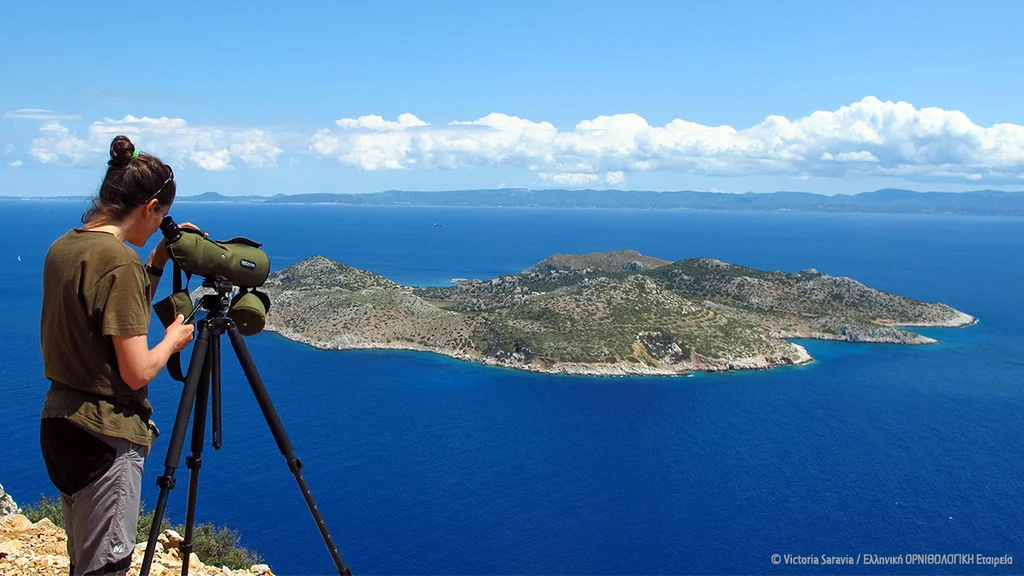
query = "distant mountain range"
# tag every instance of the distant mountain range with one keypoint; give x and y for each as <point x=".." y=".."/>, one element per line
<point x="888" y="201"/>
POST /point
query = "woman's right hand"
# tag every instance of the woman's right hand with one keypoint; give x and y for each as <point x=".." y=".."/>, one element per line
<point x="179" y="334"/>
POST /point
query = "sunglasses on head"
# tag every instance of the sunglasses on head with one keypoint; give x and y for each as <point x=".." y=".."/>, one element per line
<point x="162" y="186"/>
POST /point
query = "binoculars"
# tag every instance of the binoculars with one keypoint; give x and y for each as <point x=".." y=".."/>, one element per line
<point x="239" y="262"/>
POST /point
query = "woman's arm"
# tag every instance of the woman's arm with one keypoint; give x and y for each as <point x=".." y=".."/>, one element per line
<point x="137" y="364"/>
<point x="155" y="261"/>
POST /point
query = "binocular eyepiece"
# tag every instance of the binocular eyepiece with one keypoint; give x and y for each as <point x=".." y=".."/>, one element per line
<point x="170" y="230"/>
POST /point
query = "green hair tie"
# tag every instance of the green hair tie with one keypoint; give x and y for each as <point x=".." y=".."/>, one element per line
<point x="135" y="154"/>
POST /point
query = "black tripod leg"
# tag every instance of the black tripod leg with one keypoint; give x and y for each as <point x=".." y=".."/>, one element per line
<point x="215" y="392"/>
<point x="195" y="461"/>
<point x="285" y="445"/>
<point x="166" y="482"/>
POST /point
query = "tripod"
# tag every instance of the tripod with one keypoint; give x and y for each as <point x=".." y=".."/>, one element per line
<point x="203" y="379"/>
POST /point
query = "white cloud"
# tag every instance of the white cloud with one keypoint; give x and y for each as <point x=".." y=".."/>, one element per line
<point x="570" y="178"/>
<point x="617" y="178"/>
<point x="8" y="149"/>
<point x="861" y="156"/>
<point x="869" y="137"/>
<point x="58" y="142"/>
<point x="16" y="164"/>
<point x="212" y="160"/>
<point x="39" y="114"/>
<point x="172" y="139"/>
<point x="374" y="122"/>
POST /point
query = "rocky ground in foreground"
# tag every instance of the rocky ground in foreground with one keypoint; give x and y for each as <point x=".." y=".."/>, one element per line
<point x="40" y="549"/>
<point x="609" y="313"/>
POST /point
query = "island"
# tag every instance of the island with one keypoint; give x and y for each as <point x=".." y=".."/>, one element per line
<point x="606" y="313"/>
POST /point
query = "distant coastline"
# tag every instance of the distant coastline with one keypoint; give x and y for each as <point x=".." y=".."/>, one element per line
<point x="887" y="201"/>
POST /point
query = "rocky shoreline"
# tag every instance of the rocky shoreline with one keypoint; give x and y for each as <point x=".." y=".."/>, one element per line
<point x="801" y="357"/>
<point x="958" y="320"/>
<point x="887" y="332"/>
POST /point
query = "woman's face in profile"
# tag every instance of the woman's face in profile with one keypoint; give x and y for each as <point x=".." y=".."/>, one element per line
<point x="148" y="222"/>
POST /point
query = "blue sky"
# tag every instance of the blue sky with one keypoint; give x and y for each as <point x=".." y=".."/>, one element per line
<point x="265" y="98"/>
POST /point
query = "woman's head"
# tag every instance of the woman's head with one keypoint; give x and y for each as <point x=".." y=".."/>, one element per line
<point x="133" y="180"/>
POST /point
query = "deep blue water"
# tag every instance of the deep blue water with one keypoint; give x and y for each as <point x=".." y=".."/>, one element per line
<point x="426" y="465"/>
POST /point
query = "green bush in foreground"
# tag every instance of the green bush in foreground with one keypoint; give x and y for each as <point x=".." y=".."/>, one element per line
<point x="214" y="546"/>
<point x="46" y="508"/>
<point x="220" y="547"/>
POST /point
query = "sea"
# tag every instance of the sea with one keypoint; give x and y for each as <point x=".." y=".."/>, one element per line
<point x="422" y="464"/>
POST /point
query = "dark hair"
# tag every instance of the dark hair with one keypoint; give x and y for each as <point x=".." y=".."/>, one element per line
<point x="131" y="181"/>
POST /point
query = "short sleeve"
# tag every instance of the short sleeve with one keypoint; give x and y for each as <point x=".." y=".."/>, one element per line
<point x="126" y="303"/>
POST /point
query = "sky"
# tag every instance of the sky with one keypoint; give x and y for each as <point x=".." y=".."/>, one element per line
<point x="728" y="96"/>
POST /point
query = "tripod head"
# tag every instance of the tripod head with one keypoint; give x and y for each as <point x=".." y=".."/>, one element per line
<point x="247" y="308"/>
<point x="218" y="303"/>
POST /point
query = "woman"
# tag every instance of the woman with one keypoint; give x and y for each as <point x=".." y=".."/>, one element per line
<point x="95" y="431"/>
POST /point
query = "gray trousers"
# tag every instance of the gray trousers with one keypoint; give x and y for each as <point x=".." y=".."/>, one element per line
<point x="102" y="517"/>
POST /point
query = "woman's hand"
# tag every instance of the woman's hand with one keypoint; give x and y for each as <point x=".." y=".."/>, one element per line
<point x="160" y="255"/>
<point x="179" y="334"/>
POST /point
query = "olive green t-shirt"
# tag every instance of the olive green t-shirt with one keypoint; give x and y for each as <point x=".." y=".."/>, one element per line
<point x="94" y="287"/>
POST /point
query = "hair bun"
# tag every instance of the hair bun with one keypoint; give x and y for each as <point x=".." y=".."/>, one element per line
<point x="121" y="150"/>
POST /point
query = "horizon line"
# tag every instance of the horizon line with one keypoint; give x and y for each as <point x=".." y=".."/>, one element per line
<point x="207" y="192"/>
